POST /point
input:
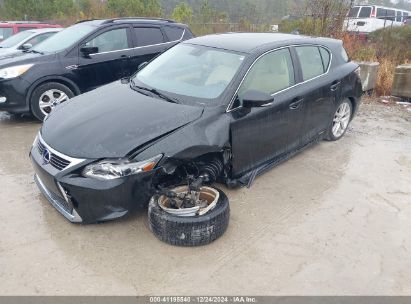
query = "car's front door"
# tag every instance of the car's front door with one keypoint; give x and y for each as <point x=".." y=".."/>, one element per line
<point x="260" y="134"/>
<point x="110" y="61"/>
<point x="319" y="90"/>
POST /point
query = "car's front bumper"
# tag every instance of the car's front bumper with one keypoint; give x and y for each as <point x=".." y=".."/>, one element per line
<point x="13" y="94"/>
<point x="86" y="200"/>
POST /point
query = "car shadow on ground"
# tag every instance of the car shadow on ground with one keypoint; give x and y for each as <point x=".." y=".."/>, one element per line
<point x="10" y="119"/>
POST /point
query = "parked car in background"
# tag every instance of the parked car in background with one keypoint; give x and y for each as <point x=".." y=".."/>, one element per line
<point x="24" y="41"/>
<point x="81" y="58"/>
<point x="364" y="19"/>
<point x="10" y="28"/>
<point x="196" y="110"/>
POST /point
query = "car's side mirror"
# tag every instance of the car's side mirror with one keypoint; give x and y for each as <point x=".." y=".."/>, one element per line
<point x="253" y="98"/>
<point x="86" y="51"/>
<point x="26" y="47"/>
<point x="142" y="65"/>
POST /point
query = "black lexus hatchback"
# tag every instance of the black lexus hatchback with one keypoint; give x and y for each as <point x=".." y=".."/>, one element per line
<point x="231" y="105"/>
<point x="81" y="58"/>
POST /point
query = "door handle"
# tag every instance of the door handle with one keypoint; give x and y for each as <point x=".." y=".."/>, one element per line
<point x="335" y="86"/>
<point x="124" y="57"/>
<point x="297" y="102"/>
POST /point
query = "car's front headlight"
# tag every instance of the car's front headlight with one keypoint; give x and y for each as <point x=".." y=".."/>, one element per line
<point x="15" y="71"/>
<point x="115" y="168"/>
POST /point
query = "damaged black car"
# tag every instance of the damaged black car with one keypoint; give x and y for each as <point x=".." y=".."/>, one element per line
<point x="219" y="108"/>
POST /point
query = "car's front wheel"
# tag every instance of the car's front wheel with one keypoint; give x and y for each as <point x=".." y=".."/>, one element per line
<point x="340" y="121"/>
<point x="47" y="96"/>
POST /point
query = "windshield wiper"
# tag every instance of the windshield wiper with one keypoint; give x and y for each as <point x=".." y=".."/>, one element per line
<point x="155" y="92"/>
<point x="34" y="51"/>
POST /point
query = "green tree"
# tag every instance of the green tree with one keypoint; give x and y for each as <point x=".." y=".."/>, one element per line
<point x="37" y="9"/>
<point x="182" y="13"/>
<point x="123" y="8"/>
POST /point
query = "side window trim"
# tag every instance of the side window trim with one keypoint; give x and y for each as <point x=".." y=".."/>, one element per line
<point x="300" y="82"/>
<point x="134" y="42"/>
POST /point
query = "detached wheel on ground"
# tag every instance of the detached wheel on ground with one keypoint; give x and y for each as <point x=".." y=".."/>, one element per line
<point x="47" y="96"/>
<point x="340" y="121"/>
<point x="189" y="230"/>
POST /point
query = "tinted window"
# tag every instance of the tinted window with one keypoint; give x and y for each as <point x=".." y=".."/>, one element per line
<point x="311" y="61"/>
<point x="5" y="32"/>
<point x="365" y="12"/>
<point x="381" y="13"/>
<point x="110" y="41"/>
<point x="353" y="11"/>
<point x="148" y="36"/>
<point x="325" y="56"/>
<point x="391" y="14"/>
<point x="173" y="33"/>
<point x="399" y="16"/>
<point x="271" y="73"/>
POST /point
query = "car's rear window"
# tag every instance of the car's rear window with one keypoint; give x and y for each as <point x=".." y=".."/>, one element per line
<point x="148" y="36"/>
<point x="326" y="57"/>
<point x="174" y="33"/>
<point x="311" y="61"/>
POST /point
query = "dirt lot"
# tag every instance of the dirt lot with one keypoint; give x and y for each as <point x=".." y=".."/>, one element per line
<point x="336" y="219"/>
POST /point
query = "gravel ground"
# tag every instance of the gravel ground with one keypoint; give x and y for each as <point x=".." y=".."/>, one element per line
<point x="335" y="219"/>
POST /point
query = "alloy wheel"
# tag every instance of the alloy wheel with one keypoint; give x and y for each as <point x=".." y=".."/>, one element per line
<point x="341" y="119"/>
<point x="50" y="99"/>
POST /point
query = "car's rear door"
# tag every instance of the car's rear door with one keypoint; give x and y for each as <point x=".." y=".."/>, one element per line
<point x="260" y="134"/>
<point x="149" y="41"/>
<point x="320" y="87"/>
<point x="110" y="62"/>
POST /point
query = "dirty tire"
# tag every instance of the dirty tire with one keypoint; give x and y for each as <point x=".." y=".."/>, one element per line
<point x="38" y="91"/>
<point x="189" y="231"/>
<point x="329" y="134"/>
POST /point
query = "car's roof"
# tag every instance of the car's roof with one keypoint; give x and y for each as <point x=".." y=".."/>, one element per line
<point x="136" y="20"/>
<point x="248" y="42"/>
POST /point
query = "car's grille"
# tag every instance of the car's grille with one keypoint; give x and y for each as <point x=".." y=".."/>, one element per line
<point x="56" y="161"/>
<point x="62" y="206"/>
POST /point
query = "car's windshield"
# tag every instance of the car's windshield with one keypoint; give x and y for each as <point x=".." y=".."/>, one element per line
<point x="64" y="39"/>
<point x="192" y="70"/>
<point x="16" y="39"/>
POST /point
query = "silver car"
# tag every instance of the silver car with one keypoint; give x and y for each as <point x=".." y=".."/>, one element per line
<point x="25" y="40"/>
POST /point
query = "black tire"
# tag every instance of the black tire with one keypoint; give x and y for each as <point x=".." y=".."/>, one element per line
<point x="38" y="91"/>
<point x="189" y="231"/>
<point x="330" y="136"/>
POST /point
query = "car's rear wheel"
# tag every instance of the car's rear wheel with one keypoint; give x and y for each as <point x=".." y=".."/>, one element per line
<point x="189" y="230"/>
<point x="47" y="96"/>
<point x="340" y="121"/>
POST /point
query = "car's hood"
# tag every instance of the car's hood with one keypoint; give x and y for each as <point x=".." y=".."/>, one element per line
<point x="9" y="53"/>
<point x="112" y="121"/>
<point x="19" y="57"/>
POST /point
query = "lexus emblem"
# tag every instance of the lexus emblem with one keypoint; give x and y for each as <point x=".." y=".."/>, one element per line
<point x="46" y="156"/>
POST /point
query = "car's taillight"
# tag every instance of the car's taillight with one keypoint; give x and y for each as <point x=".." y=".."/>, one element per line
<point x="374" y="12"/>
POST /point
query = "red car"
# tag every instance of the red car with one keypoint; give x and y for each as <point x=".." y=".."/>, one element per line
<point x="9" y="28"/>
